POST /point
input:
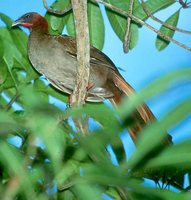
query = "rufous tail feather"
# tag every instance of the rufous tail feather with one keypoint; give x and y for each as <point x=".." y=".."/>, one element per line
<point x="141" y="117"/>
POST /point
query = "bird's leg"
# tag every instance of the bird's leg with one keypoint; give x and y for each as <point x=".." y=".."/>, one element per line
<point x="70" y="98"/>
<point x="88" y="88"/>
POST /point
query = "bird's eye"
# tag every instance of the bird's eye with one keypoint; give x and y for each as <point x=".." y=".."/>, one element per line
<point x="27" y="16"/>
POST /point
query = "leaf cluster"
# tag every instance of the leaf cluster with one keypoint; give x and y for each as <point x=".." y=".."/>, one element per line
<point x="117" y="20"/>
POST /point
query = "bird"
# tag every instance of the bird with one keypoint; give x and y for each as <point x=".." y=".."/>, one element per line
<point x="55" y="57"/>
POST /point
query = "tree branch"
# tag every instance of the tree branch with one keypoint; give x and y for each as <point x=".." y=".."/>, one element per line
<point x="83" y="52"/>
<point x="127" y="36"/>
<point x="57" y="12"/>
<point x="141" y="22"/>
<point x="9" y="105"/>
<point x="78" y="96"/>
<point x="161" y="22"/>
<point x="129" y="16"/>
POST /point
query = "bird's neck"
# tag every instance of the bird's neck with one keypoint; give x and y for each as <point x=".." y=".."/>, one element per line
<point x="38" y="32"/>
<point x="40" y="26"/>
<point x="37" y="37"/>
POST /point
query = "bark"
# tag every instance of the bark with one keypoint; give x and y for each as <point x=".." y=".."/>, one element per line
<point x="83" y="52"/>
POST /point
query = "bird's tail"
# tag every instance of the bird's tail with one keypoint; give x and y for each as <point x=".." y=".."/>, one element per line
<point x="141" y="116"/>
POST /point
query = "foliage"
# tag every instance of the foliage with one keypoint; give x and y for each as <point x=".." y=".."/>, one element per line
<point x="117" y="21"/>
<point x="43" y="157"/>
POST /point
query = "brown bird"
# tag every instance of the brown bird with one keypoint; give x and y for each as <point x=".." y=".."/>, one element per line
<point x="55" y="57"/>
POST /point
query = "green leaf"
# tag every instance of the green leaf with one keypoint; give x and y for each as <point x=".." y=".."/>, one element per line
<point x="3" y="71"/>
<point x="172" y="20"/>
<point x="96" y="26"/>
<point x="19" y="38"/>
<point x="3" y="103"/>
<point x="134" y="31"/>
<point x="8" y="21"/>
<point x="147" y="193"/>
<point x="15" y="166"/>
<point x="156" y="132"/>
<point x="118" y="22"/>
<point x="152" y="7"/>
<point x="113" y="193"/>
<point x="70" y="25"/>
<point x="67" y="195"/>
<point x="175" y="156"/>
<point x="13" y="43"/>
<point x="45" y="90"/>
<point x="57" y="22"/>
<point x="87" y="192"/>
<point x="9" y="83"/>
<point x="7" y="123"/>
<point x="10" y="52"/>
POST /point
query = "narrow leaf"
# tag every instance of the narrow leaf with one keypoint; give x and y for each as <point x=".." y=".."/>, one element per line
<point x="152" y="7"/>
<point x="175" y="156"/>
<point x="156" y="132"/>
<point x="3" y="71"/>
<point x="96" y="26"/>
<point x="172" y="20"/>
<point x="70" y="25"/>
<point x="118" y="22"/>
<point x="19" y="38"/>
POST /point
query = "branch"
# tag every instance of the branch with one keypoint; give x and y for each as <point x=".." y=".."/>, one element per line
<point x="127" y="36"/>
<point x="161" y="22"/>
<point x="9" y="105"/>
<point x="137" y="20"/>
<point x="57" y="12"/>
<point x="83" y="52"/>
<point x="184" y="4"/>
<point x="78" y="96"/>
<point x="141" y="22"/>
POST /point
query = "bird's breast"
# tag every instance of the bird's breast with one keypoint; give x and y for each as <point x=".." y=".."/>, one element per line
<point x="49" y="58"/>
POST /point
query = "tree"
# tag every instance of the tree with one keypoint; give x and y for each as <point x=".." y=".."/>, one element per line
<point x="65" y="164"/>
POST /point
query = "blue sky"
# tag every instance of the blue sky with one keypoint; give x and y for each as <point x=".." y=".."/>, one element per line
<point x="142" y="64"/>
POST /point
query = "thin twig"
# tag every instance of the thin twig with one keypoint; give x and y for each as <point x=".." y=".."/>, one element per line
<point x="66" y="186"/>
<point x="127" y="36"/>
<point x="184" y="4"/>
<point x="141" y="22"/>
<point x="161" y="22"/>
<point x="57" y="12"/>
<point x="81" y="124"/>
<point x="15" y="97"/>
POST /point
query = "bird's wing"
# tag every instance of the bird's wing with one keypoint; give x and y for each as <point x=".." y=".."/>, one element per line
<point x="97" y="57"/>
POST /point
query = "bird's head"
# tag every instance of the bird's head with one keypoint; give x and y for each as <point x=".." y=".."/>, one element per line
<point x="31" y="21"/>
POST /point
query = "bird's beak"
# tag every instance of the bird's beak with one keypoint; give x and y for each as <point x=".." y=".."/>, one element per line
<point x="21" y="22"/>
<point x="17" y="23"/>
